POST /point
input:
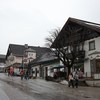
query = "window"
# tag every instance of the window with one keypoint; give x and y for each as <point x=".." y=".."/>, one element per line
<point x="92" y="45"/>
<point x="30" y="54"/>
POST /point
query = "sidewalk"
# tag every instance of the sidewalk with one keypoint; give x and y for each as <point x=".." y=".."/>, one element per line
<point x="64" y="82"/>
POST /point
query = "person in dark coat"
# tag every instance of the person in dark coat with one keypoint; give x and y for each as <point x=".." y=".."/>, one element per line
<point x="76" y="80"/>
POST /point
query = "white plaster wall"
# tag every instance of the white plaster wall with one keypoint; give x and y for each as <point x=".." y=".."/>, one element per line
<point x="97" y="44"/>
<point x="87" y="67"/>
<point x="9" y="61"/>
<point x="15" y="60"/>
<point x="32" y="55"/>
<point x="38" y="74"/>
<point x="50" y="73"/>
<point x="18" y="59"/>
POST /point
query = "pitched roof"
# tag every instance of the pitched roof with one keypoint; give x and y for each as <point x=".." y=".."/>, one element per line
<point x="19" y="50"/>
<point x="30" y="50"/>
<point x="47" y="57"/>
<point x="88" y="24"/>
<point x="82" y="25"/>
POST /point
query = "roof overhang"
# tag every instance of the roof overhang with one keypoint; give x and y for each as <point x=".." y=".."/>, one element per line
<point x="62" y="38"/>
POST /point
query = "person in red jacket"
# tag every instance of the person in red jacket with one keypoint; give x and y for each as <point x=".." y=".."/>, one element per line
<point x="11" y="71"/>
<point x="22" y="74"/>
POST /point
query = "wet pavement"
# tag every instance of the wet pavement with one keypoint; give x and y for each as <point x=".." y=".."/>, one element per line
<point x="12" y="88"/>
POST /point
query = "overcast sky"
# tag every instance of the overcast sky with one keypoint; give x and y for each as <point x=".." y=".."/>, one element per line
<point x="29" y="21"/>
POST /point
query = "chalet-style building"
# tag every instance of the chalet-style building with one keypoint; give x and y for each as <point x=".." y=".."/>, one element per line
<point x="42" y="66"/>
<point x="20" y="55"/>
<point x="87" y="35"/>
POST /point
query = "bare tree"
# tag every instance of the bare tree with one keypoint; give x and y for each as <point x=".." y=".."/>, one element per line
<point x="50" y="39"/>
<point x="67" y="52"/>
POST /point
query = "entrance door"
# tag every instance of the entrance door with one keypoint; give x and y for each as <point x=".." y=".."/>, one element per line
<point x="46" y="71"/>
<point x="98" y="66"/>
<point x="41" y="71"/>
<point x="93" y="67"/>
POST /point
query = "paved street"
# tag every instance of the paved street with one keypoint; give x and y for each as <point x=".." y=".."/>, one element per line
<point x="12" y="88"/>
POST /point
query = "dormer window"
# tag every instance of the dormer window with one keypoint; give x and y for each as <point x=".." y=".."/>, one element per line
<point x="92" y="45"/>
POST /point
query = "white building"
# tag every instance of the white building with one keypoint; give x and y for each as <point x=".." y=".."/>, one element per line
<point x="92" y="56"/>
<point x="42" y="66"/>
<point x="87" y="34"/>
<point x="19" y="55"/>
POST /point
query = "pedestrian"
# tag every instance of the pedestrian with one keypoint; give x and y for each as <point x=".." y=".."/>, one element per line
<point x="70" y="80"/>
<point x="55" y="75"/>
<point x="11" y="71"/>
<point x="80" y="73"/>
<point x="26" y="74"/>
<point x="22" y="74"/>
<point x="8" y="72"/>
<point x="76" y="80"/>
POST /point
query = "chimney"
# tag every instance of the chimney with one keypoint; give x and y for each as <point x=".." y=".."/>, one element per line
<point x="26" y="46"/>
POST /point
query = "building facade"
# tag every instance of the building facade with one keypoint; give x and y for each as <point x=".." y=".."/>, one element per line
<point x="87" y="34"/>
<point x="42" y="66"/>
<point x="92" y="58"/>
<point x="18" y="56"/>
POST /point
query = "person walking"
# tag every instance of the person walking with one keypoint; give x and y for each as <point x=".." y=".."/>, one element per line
<point x="22" y="74"/>
<point x="70" y="80"/>
<point x="11" y="71"/>
<point x="27" y="74"/>
<point x="8" y="71"/>
<point x="76" y="79"/>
